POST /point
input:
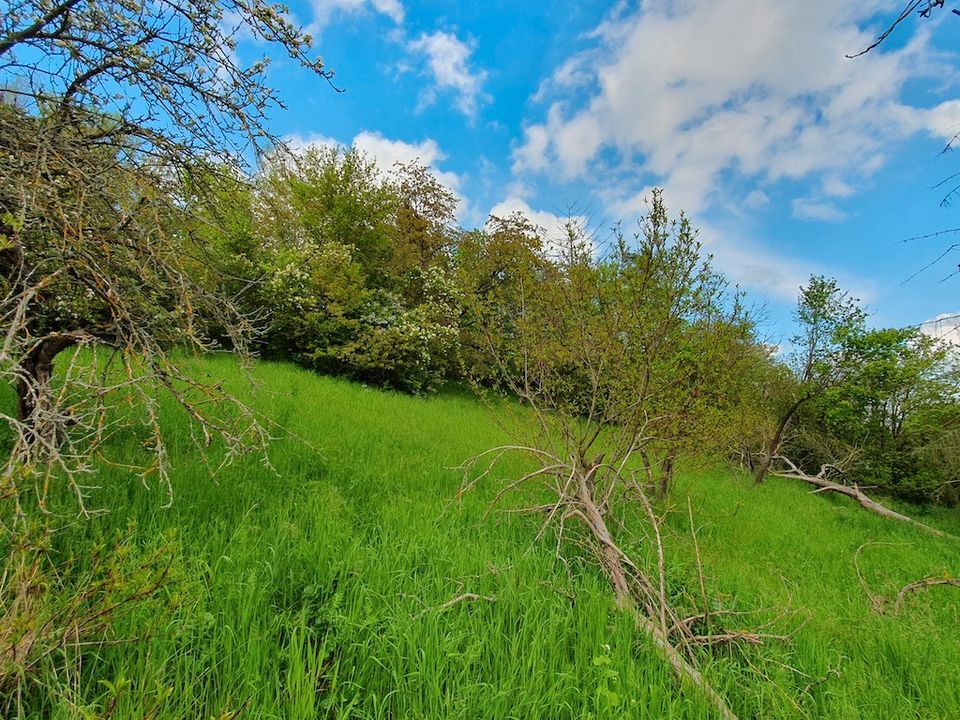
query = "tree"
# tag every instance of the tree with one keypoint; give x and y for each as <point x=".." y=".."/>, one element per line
<point x="605" y="353"/>
<point x="353" y="266"/>
<point x="108" y="110"/>
<point x="155" y="78"/>
<point x="117" y="118"/>
<point x="896" y="402"/>
<point x="494" y="266"/>
<point x="827" y="315"/>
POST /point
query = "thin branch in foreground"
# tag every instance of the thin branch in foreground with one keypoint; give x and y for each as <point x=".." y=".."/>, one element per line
<point x="921" y="585"/>
<point x="465" y="597"/>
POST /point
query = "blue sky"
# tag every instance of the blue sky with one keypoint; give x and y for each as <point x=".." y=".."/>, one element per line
<point x="790" y="158"/>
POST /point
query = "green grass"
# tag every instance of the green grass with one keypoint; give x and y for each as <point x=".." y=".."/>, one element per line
<point x="314" y="591"/>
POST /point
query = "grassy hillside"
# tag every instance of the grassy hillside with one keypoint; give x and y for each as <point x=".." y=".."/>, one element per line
<point x="317" y="588"/>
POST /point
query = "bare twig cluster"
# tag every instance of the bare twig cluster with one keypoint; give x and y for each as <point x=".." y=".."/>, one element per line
<point x="586" y="494"/>
<point x="45" y="623"/>
<point x="93" y="256"/>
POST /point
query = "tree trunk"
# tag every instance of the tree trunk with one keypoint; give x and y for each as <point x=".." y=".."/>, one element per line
<point x="666" y="473"/>
<point x="855" y="493"/>
<point x="613" y="565"/>
<point x="609" y="554"/>
<point x="35" y="374"/>
<point x="777" y="439"/>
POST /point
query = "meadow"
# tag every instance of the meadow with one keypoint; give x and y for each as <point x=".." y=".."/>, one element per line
<point x="346" y="579"/>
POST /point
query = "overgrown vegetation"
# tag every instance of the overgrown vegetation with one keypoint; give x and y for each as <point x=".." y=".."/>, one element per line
<point x="321" y="589"/>
<point x="337" y="571"/>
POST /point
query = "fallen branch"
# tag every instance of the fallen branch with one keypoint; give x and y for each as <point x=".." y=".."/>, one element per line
<point x="852" y="491"/>
<point x="751" y="638"/>
<point x="681" y="666"/>
<point x="920" y="585"/>
<point x="465" y="597"/>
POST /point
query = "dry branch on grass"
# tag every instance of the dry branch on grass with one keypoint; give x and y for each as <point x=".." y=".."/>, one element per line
<point x="921" y="585"/>
<point x="584" y="495"/>
<point x="824" y="485"/>
<point x="878" y="603"/>
<point x="463" y="597"/>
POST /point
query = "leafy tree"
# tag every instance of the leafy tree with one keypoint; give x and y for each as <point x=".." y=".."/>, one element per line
<point x="494" y="267"/>
<point x="423" y="226"/>
<point x="107" y="107"/>
<point x="827" y="316"/>
<point x="605" y="351"/>
<point x="897" y="399"/>
<point x="353" y="267"/>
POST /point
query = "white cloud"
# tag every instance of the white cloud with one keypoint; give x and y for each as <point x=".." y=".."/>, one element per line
<point x="834" y="186"/>
<point x="945" y="326"/>
<point x="324" y="11"/>
<point x="944" y="120"/>
<point x="575" y="72"/>
<point x="688" y="91"/>
<point x="388" y="152"/>
<point x="532" y="153"/>
<point x="303" y="142"/>
<point x="448" y="61"/>
<point x="756" y="199"/>
<point x="552" y="224"/>
<point x="807" y="209"/>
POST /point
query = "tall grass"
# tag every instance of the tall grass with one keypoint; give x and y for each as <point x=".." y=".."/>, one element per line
<point x="319" y="586"/>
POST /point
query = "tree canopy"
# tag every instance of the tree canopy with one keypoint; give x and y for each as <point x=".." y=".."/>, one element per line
<point x="116" y="120"/>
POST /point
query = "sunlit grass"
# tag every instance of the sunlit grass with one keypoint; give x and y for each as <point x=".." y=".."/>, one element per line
<point x="316" y="587"/>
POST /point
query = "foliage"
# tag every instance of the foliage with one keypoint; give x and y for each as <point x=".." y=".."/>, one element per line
<point x="642" y="343"/>
<point x="106" y="110"/>
<point x="827" y="316"/>
<point x="352" y="267"/>
<point x="897" y="400"/>
<point x="494" y="267"/>
<point x="53" y="607"/>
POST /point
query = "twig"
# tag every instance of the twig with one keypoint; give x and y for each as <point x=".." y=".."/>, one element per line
<point x="465" y="597"/>
<point x="696" y="549"/>
<point x="920" y="585"/>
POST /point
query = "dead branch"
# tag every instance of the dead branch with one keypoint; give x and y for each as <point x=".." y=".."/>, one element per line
<point x="751" y="638"/>
<point x="681" y="666"/>
<point x="465" y="597"/>
<point x="876" y="601"/>
<point x="581" y="487"/>
<point x="852" y="491"/>
<point x="696" y="550"/>
<point x="921" y="585"/>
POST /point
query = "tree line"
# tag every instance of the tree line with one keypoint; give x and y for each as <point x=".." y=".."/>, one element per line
<point x="366" y="274"/>
<point x="324" y="259"/>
